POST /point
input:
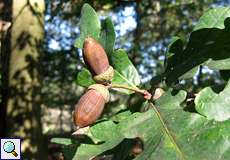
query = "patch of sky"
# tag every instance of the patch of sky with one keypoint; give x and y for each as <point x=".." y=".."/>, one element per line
<point x="125" y="20"/>
<point x="60" y="33"/>
<point x="63" y="29"/>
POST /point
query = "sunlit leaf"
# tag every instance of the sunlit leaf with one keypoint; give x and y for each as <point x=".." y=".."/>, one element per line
<point x="167" y="131"/>
<point x="214" y="18"/>
<point x="89" y="25"/>
<point x="84" y="78"/>
<point x="63" y="141"/>
<point x="108" y="36"/>
<point x="209" y="45"/>
<point x="104" y="132"/>
<point x="125" y="72"/>
<point x="212" y="105"/>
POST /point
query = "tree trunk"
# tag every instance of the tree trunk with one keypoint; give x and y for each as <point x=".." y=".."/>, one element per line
<point x="23" y="100"/>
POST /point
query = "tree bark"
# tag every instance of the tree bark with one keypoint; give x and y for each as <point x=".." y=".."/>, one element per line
<point x="23" y="119"/>
<point x="5" y="15"/>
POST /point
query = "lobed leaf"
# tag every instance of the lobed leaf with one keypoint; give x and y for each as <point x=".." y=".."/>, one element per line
<point x="84" y="78"/>
<point x="209" y="45"/>
<point x="63" y="141"/>
<point x="213" y="18"/>
<point x="108" y="36"/>
<point x="89" y="25"/>
<point x="104" y="132"/>
<point x="167" y="131"/>
<point x="184" y="135"/>
<point x="212" y="105"/>
<point x="125" y="72"/>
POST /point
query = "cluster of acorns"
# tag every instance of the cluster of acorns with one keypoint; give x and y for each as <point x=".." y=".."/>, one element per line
<point x="91" y="104"/>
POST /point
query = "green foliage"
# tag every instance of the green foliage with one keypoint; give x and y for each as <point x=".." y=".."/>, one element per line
<point x="213" y="18"/>
<point x="208" y="45"/>
<point x="169" y="133"/>
<point x="103" y="141"/>
<point x="108" y="36"/>
<point x="189" y="132"/>
<point x="89" y="25"/>
<point x="125" y="72"/>
<point x="84" y="78"/>
<point x="63" y="141"/>
<point x="171" y="128"/>
<point x="212" y="105"/>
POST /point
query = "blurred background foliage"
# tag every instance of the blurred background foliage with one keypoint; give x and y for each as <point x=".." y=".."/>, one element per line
<point x="144" y="29"/>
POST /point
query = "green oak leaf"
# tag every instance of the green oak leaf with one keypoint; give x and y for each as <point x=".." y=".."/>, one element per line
<point x="89" y="25"/>
<point x="108" y="36"/>
<point x="178" y="134"/>
<point x="212" y="105"/>
<point x="63" y="141"/>
<point x="84" y="78"/>
<point x="167" y="131"/>
<point x="175" y="46"/>
<point x="105" y="132"/>
<point x="208" y="45"/>
<point x="213" y="18"/>
<point x="121" y="116"/>
<point x="125" y="72"/>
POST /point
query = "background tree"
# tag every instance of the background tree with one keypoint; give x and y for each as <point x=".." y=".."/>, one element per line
<point x="21" y="60"/>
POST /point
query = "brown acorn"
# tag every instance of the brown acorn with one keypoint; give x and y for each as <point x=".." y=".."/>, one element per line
<point x="137" y="147"/>
<point x="90" y="106"/>
<point x="97" y="61"/>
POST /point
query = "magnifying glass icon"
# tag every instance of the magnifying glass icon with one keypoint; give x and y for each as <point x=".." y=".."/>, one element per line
<point x="9" y="147"/>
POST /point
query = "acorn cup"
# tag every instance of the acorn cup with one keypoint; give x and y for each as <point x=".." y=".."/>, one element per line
<point x="90" y="106"/>
<point x="97" y="61"/>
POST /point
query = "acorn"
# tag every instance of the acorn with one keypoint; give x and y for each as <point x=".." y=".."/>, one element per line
<point x="90" y="106"/>
<point x="137" y="147"/>
<point x="97" y="61"/>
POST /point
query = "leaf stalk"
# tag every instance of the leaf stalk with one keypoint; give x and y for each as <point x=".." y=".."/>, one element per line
<point x="135" y="89"/>
<point x="146" y="94"/>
